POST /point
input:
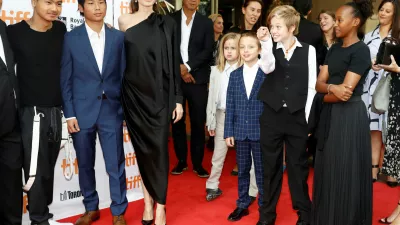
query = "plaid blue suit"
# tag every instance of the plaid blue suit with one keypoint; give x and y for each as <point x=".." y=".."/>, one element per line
<point x="242" y="123"/>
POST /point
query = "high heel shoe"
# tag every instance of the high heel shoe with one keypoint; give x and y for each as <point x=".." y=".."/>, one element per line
<point x="392" y="184"/>
<point x="375" y="179"/>
<point x="385" y="220"/>
<point x="147" y="222"/>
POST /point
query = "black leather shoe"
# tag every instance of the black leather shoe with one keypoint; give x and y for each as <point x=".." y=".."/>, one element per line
<point x="302" y="222"/>
<point x="201" y="172"/>
<point x="147" y="222"/>
<point x="178" y="170"/>
<point x="265" y="223"/>
<point x="213" y="194"/>
<point x="252" y="199"/>
<point x="238" y="214"/>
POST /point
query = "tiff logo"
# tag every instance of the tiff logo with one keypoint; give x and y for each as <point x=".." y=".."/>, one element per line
<point x="12" y="17"/>
<point x="133" y="182"/>
<point x="125" y="7"/>
<point x="65" y="165"/>
<point x="130" y="159"/>
<point x="67" y="195"/>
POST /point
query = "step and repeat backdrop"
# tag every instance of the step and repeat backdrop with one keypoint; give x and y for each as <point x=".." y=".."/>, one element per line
<point x="67" y="199"/>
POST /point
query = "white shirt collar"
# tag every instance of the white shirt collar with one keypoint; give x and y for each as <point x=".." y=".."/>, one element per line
<point x="297" y="44"/>
<point x="227" y="66"/>
<point x="253" y="69"/>
<point x="184" y="17"/>
<point x="91" y="32"/>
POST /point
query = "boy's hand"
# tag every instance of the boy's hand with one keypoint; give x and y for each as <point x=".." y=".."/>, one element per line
<point x="230" y="141"/>
<point x="212" y="133"/>
<point x="263" y="34"/>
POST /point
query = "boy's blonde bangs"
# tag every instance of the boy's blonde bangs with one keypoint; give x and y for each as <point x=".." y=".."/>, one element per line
<point x="288" y="14"/>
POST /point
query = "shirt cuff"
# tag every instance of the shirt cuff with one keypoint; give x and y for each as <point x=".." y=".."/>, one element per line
<point x="188" y="67"/>
<point x="70" y="118"/>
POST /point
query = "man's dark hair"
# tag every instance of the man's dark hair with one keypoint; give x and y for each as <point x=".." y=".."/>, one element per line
<point x="302" y="6"/>
<point x="82" y="3"/>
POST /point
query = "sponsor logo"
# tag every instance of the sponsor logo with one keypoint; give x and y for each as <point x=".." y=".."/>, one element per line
<point x="68" y="195"/>
<point x="133" y="182"/>
<point x="12" y="17"/>
<point x="125" y="7"/>
<point x="65" y="165"/>
<point x="130" y="159"/>
<point x="69" y="1"/>
<point x="25" y="203"/>
<point x="126" y="135"/>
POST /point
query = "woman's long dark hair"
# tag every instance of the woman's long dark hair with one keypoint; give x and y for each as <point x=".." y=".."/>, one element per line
<point x="258" y="23"/>
<point x="135" y="6"/>
<point x="396" y="17"/>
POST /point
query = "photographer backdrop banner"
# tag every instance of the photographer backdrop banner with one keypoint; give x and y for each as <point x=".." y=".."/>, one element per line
<point x="67" y="200"/>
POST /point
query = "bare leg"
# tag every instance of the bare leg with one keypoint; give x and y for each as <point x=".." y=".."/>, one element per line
<point x="394" y="218"/>
<point x="148" y="213"/>
<point x="160" y="215"/>
<point x="376" y="143"/>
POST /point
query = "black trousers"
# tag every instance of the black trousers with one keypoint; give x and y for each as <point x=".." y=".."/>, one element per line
<point x="196" y="96"/>
<point x="41" y="193"/>
<point x="277" y="129"/>
<point x="11" y="178"/>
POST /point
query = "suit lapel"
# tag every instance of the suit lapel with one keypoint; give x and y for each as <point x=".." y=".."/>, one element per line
<point x="87" y="48"/>
<point x="257" y="81"/>
<point x="107" y="48"/>
<point x="242" y="87"/>
<point x="193" y="31"/>
<point x="7" y="52"/>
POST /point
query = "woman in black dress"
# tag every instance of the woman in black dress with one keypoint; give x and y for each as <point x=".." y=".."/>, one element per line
<point x="342" y="179"/>
<point x="151" y="96"/>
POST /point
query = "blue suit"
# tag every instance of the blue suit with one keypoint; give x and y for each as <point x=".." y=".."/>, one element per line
<point x="242" y="123"/>
<point x="93" y="97"/>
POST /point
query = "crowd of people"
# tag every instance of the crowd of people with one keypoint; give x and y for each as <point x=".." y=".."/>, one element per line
<point x="278" y="91"/>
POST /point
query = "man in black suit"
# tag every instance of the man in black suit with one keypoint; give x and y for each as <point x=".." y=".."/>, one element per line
<point x="196" y="46"/>
<point x="10" y="138"/>
<point x="310" y="32"/>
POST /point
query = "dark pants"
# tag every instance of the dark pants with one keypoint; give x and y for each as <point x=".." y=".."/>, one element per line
<point x="41" y="193"/>
<point x="277" y="129"/>
<point x="109" y="128"/>
<point x="11" y="178"/>
<point x="244" y="150"/>
<point x="196" y="96"/>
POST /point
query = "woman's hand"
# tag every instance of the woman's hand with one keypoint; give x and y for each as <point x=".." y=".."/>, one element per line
<point x="375" y="67"/>
<point x="230" y="141"/>
<point x="177" y="113"/>
<point x="212" y="133"/>
<point x="342" y="91"/>
<point x="263" y="34"/>
<point x="393" y="67"/>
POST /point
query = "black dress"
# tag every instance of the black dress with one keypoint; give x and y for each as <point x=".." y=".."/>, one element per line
<point x="150" y="91"/>
<point x="342" y="192"/>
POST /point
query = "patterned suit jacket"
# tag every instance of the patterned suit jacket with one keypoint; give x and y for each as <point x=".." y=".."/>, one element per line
<point x="242" y="113"/>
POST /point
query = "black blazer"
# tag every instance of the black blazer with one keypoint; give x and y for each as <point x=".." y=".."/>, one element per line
<point x="311" y="34"/>
<point x="8" y="87"/>
<point x="200" y="49"/>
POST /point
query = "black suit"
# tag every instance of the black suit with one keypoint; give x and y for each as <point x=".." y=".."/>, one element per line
<point x="10" y="139"/>
<point x="311" y="34"/>
<point x="200" y="51"/>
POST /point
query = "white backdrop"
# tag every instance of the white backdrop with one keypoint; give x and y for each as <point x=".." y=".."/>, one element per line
<point x="67" y="199"/>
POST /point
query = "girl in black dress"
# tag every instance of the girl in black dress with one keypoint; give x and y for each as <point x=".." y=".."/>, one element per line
<point x="342" y="179"/>
<point x="151" y="96"/>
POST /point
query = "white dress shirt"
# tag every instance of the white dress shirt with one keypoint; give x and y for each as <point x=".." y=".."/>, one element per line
<point x="249" y="75"/>
<point x="224" y="85"/>
<point x="312" y="71"/>
<point x="2" y="54"/>
<point x="97" y="41"/>
<point x="185" y="37"/>
<point x="267" y="58"/>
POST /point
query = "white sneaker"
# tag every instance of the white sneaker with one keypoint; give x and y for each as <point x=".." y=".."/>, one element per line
<point x="53" y="222"/>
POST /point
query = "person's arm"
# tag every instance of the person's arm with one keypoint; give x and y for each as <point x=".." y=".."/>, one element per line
<point x="312" y="79"/>
<point x="267" y="59"/>
<point x="66" y="80"/>
<point x="211" y="123"/>
<point x="176" y="64"/>
<point x="205" y="55"/>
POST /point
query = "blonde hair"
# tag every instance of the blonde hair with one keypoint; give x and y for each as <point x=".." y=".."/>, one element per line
<point x="214" y="17"/>
<point x="288" y="14"/>
<point x="220" y="61"/>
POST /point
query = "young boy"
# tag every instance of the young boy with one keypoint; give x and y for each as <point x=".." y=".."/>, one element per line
<point x="92" y="68"/>
<point x="287" y="94"/>
<point x="37" y="45"/>
<point x="243" y="110"/>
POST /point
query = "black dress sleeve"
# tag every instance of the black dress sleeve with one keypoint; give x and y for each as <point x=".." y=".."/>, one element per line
<point x="360" y="61"/>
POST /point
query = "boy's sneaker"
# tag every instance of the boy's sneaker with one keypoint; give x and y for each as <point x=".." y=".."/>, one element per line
<point x="213" y="194"/>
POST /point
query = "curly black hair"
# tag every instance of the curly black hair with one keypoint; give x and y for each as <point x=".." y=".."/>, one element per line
<point x="362" y="9"/>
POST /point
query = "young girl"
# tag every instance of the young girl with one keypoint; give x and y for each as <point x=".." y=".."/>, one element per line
<point x="227" y="61"/>
<point x="243" y="110"/>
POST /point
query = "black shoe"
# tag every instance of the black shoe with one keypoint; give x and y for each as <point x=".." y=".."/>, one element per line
<point x="392" y="184"/>
<point x="265" y="223"/>
<point x="178" y="170"/>
<point x="252" y="199"/>
<point x="234" y="173"/>
<point x="238" y="214"/>
<point x="147" y="222"/>
<point x="302" y="222"/>
<point x="375" y="179"/>
<point x="201" y="172"/>
<point x="213" y="194"/>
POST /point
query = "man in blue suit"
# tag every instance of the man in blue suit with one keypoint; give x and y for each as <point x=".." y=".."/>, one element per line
<point x="93" y="64"/>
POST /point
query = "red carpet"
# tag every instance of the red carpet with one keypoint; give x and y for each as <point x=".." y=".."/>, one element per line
<point x="186" y="204"/>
